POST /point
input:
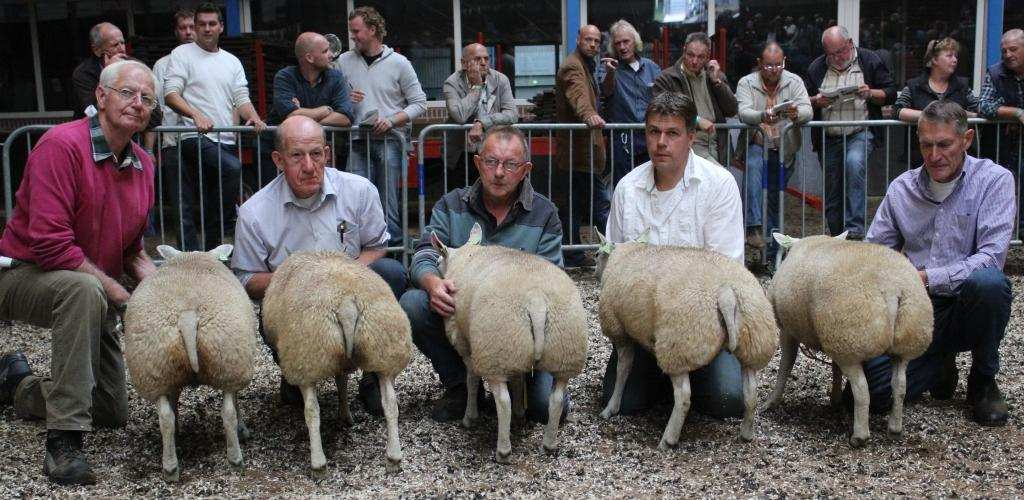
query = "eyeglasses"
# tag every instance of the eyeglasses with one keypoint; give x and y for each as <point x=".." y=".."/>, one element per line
<point x="130" y="95"/>
<point x="511" y="166"/>
<point x="773" y="67"/>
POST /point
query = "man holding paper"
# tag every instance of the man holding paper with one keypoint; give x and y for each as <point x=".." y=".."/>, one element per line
<point x="848" y="84"/>
<point x="768" y="98"/>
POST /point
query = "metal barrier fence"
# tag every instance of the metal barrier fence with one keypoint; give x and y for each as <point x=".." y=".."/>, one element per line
<point x="441" y="158"/>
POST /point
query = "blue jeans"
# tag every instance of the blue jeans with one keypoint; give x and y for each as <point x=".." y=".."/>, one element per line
<point x="756" y="181"/>
<point x="716" y="389"/>
<point x="429" y="336"/>
<point x="974" y="320"/>
<point x="845" y="181"/>
<point x="627" y="151"/>
<point x="382" y="162"/>
<point x="220" y="175"/>
<point x="587" y="191"/>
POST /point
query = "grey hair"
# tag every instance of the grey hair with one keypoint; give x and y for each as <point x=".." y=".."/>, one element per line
<point x="507" y="133"/>
<point x="624" y="25"/>
<point x="112" y="73"/>
<point x="698" y="36"/>
<point x="945" y="112"/>
<point x="843" y="32"/>
<point x="96" y="34"/>
<point x="674" y="104"/>
<point x="1015" y="33"/>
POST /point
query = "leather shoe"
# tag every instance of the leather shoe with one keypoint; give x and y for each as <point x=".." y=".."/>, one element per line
<point x="65" y="463"/>
<point x="13" y="368"/>
<point x="988" y="407"/>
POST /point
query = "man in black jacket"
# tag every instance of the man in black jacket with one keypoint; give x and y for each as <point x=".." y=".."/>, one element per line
<point x="847" y="84"/>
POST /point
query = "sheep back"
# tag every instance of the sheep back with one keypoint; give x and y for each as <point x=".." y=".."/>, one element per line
<point x="226" y="343"/>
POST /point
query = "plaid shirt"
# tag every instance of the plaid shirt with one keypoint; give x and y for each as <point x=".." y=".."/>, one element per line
<point x="101" y="150"/>
<point x="990" y="99"/>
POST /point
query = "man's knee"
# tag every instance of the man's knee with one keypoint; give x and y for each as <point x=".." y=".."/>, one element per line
<point x="80" y="294"/>
<point x="393" y="273"/>
<point x="416" y="304"/>
<point x="988" y="286"/>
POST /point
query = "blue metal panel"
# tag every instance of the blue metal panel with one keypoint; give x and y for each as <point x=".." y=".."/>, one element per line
<point x="233" y="17"/>
<point x="993" y="31"/>
<point x="572" y="24"/>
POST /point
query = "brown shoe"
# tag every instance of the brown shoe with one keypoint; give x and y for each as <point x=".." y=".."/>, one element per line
<point x="755" y="240"/>
<point x="988" y="407"/>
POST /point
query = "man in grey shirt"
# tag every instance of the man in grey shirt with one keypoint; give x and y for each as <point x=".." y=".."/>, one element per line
<point x="311" y="207"/>
<point x="479" y="96"/>
<point x="952" y="218"/>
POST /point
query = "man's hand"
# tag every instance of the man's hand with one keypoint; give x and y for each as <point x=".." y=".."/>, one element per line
<point x="864" y="91"/>
<point x="476" y="132"/>
<point x="924" y="277"/>
<point x="474" y="74"/>
<point x="1020" y="115"/>
<point x="441" y="293"/>
<point x="714" y="71"/>
<point x="257" y="124"/>
<point x="203" y="124"/>
<point x="117" y="295"/>
<point x="382" y="126"/>
<point x="109" y="59"/>
<point x="820" y="101"/>
<point x="357" y="95"/>
<point x="792" y="112"/>
<point x="595" y="121"/>
<point x="610" y="64"/>
<point x="768" y="117"/>
<point x="705" y="125"/>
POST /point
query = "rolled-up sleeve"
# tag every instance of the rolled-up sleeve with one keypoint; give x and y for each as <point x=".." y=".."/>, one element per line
<point x="54" y="184"/>
<point x="342" y="102"/>
<point x="424" y="261"/>
<point x="250" y="254"/>
<point x="176" y="75"/>
<point x="373" y="230"/>
<point x="240" y="94"/>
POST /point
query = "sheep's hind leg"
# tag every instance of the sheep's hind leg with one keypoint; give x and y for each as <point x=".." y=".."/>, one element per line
<point x="472" y="389"/>
<point x="318" y="461"/>
<point x="503" y="404"/>
<point x="169" y="470"/>
<point x="861" y="400"/>
<point x="622" y="368"/>
<point x="230" y="417"/>
<point x="749" y="403"/>
<point x="681" y="406"/>
<point x="899" y="390"/>
<point x="789" y="352"/>
<point x="341" y="381"/>
<point x="555" y="402"/>
<point x="389" y="401"/>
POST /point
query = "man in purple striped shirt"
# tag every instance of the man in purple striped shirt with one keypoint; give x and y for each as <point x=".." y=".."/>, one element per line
<point x="952" y="218"/>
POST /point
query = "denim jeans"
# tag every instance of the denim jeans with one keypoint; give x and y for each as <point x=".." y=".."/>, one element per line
<point x="757" y="178"/>
<point x="716" y="389"/>
<point x="382" y="162"/>
<point x="845" y="181"/>
<point x="588" y="192"/>
<point x="220" y="175"/>
<point x="429" y="336"/>
<point x="974" y="320"/>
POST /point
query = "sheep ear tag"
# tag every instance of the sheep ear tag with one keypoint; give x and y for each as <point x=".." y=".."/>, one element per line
<point x="843" y="235"/>
<point x="644" y="237"/>
<point x="785" y="241"/>
<point x="438" y="244"/>
<point x="222" y="253"/>
<point x="167" y="252"/>
<point x="476" y="235"/>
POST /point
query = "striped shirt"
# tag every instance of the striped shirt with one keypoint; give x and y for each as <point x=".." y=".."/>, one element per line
<point x="845" y="108"/>
<point x="949" y="240"/>
<point x="989" y="100"/>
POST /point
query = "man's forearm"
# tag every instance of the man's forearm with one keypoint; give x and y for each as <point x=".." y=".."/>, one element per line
<point x="140" y="266"/>
<point x="336" y="119"/>
<point x="113" y="290"/>
<point x="248" y="112"/>
<point x="399" y="119"/>
<point x="314" y="113"/>
<point x="257" y="285"/>
<point x="369" y="256"/>
<point x="179" y="105"/>
<point x="1008" y="113"/>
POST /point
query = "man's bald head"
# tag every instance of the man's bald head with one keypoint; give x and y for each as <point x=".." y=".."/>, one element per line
<point x="106" y="39"/>
<point x="838" y="47"/>
<point x="306" y="42"/>
<point x="835" y="34"/>
<point x="312" y="49"/>
<point x="588" y="40"/>
<point x="472" y="51"/>
<point x="295" y="128"/>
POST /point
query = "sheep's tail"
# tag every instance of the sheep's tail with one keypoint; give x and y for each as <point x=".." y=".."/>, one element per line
<point x="537" y="310"/>
<point x="188" y="327"/>
<point x="729" y="308"/>
<point x="347" y="317"/>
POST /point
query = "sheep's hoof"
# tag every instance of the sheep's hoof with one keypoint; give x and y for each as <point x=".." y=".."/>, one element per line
<point x="239" y="466"/>
<point x="550" y="451"/>
<point x="244" y="435"/>
<point x="665" y="445"/>
<point x="895" y="435"/>
<point x="468" y="422"/>
<point x="393" y="466"/>
<point x="606" y="414"/>
<point x="857" y="442"/>
<point x="171" y="476"/>
<point x="746" y="436"/>
<point x="318" y="474"/>
<point x="346" y="420"/>
<point x="503" y="458"/>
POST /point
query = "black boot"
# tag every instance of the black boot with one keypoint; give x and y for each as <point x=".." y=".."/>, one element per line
<point x="988" y="408"/>
<point x="945" y="386"/>
<point x="65" y="462"/>
<point x="13" y="368"/>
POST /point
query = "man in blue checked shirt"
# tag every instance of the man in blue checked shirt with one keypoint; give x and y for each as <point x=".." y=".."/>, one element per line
<point x="952" y="218"/>
<point x="625" y="93"/>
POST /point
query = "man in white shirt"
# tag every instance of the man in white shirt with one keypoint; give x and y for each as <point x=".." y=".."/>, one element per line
<point x="681" y="199"/>
<point x="206" y="86"/>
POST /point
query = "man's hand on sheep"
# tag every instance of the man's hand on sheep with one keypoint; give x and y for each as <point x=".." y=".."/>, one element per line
<point x="441" y="292"/>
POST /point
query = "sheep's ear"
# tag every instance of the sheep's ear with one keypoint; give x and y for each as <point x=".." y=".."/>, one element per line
<point x="644" y="237"/>
<point x="600" y="237"/>
<point x="476" y="235"/>
<point x="785" y="241"/>
<point x="843" y="235"/>
<point x="438" y="244"/>
<point x="167" y="252"/>
<point x="222" y="253"/>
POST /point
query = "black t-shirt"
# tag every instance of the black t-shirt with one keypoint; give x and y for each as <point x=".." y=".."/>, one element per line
<point x="369" y="59"/>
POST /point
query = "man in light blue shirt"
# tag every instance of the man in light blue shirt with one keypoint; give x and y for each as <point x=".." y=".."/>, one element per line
<point x="311" y="207"/>
<point x="952" y="218"/>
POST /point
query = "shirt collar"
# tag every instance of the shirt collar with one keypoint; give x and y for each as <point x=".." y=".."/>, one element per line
<point x="694" y="172"/>
<point x="326" y="190"/>
<point x="525" y="199"/>
<point x="923" y="179"/>
<point x="101" y="149"/>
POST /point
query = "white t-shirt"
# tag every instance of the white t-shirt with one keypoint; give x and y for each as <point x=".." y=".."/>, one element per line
<point x="170" y="117"/>
<point x="942" y="190"/>
<point x="212" y="82"/>
<point x="703" y="210"/>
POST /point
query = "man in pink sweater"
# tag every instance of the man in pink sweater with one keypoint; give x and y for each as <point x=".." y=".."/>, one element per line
<point x="77" y="226"/>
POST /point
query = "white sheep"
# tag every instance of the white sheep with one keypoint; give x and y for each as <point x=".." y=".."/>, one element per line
<point x="684" y="305"/>
<point x="328" y="315"/>
<point x="853" y="301"/>
<point x="514" y="312"/>
<point x="190" y="323"/>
